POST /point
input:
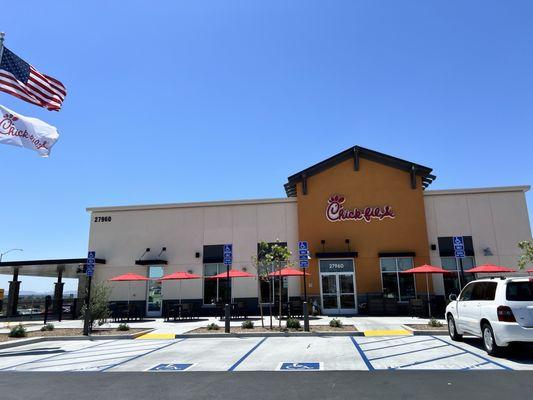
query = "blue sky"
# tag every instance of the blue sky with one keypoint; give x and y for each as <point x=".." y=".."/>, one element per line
<point x="176" y="101"/>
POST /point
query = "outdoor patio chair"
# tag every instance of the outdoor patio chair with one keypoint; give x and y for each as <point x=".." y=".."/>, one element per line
<point x="296" y="309"/>
<point x="416" y="308"/>
<point x="241" y="310"/>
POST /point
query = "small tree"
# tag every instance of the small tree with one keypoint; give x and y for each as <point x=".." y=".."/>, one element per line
<point x="527" y="253"/>
<point x="98" y="305"/>
<point x="270" y="257"/>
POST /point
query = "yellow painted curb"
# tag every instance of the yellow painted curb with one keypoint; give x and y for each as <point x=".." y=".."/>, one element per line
<point x="387" y="332"/>
<point x="157" y="336"/>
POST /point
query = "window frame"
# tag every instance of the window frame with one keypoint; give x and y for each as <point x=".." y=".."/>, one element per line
<point x="397" y="272"/>
<point x="219" y="266"/>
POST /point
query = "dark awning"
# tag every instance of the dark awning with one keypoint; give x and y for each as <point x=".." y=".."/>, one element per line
<point x="151" y="262"/>
<point x="337" y="254"/>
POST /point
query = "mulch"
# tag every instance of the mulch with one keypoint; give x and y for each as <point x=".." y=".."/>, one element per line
<point x="259" y="329"/>
<point x="426" y="327"/>
<point x="70" y="332"/>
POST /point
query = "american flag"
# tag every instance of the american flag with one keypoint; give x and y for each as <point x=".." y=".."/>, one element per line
<point x="21" y="80"/>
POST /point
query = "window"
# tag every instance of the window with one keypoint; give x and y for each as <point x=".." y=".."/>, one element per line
<point x="466" y="294"/>
<point x="215" y="290"/>
<point x="395" y="284"/>
<point x="454" y="282"/>
<point x="519" y="291"/>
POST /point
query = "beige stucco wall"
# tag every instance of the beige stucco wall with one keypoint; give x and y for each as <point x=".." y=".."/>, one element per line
<point x="184" y="230"/>
<point x="496" y="218"/>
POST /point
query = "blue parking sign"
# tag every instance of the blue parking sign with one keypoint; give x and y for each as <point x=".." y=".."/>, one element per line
<point x="459" y="246"/>
<point x="91" y="260"/>
<point x="228" y="254"/>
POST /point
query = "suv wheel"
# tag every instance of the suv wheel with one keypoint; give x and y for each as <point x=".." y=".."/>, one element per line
<point x="452" y="329"/>
<point x="488" y="341"/>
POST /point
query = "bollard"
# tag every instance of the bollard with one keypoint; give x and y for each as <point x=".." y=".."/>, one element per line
<point x="306" y="317"/>
<point x="227" y="317"/>
<point x="47" y="302"/>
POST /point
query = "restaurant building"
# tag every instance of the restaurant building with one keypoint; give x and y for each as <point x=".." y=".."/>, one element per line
<point x="367" y="216"/>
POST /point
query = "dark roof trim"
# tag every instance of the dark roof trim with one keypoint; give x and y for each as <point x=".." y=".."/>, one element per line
<point x="338" y="254"/>
<point x="60" y="261"/>
<point x="151" y="262"/>
<point x="357" y="152"/>
<point x="397" y="254"/>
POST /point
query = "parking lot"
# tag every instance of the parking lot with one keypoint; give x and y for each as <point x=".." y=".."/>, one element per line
<point x="313" y="353"/>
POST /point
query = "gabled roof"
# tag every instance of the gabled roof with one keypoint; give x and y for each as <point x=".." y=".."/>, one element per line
<point x="355" y="153"/>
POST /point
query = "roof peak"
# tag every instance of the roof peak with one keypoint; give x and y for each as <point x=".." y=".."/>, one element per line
<point x="357" y="152"/>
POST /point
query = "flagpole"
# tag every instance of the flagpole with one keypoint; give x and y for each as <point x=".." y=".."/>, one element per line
<point x="2" y="36"/>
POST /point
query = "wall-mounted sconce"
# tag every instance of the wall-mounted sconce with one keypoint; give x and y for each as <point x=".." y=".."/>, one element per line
<point x="323" y="243"/>
<point x="163" y="249"/>
<point x="146" y="251"/>
<point x="433" y="247"/>
<point x="487" y="252"/>
<point x="244" y="269"/>
<point x="197" y="254"/>
<point x="347" y="242"/>
<point x="189" y="271"/>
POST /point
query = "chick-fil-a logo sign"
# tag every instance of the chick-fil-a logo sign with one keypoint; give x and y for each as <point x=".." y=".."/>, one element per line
<point x="336" y="212"/>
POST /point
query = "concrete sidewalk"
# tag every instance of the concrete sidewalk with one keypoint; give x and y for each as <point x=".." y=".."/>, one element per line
<point x="370" y="325"/>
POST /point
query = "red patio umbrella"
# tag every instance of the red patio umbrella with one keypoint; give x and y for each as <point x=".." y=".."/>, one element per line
<point x="530" y="271"/>
<point x="287" y="271"/>
<point x="489" y="269"/>
<point x="129" y="277"/>
<point x="233" y="273"/>
<point x="426" y="269"/>
<point x="180" y="276"/>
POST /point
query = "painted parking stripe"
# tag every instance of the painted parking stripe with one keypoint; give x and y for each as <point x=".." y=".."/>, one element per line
<point x="141" y="355"/>
<point x="396" y="345"/>
<point x="55" y="355"/>
<point x="362" y="354"/>
<point x="406" y="352"/>
<point x="474" y="354"/>
<point x="430" y="360"/>
<point x="240" y="360"/>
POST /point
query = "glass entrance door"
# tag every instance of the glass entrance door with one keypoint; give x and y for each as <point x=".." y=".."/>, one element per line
<point x="154" y="297"/>
<point x="337" y="286"/>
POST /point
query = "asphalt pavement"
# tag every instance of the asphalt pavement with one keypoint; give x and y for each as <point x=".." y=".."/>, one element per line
<point x="329" y="385"/>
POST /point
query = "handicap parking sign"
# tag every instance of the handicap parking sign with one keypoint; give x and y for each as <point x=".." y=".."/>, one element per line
<point x="301" y="366"/>
<point x="170" y="367"/>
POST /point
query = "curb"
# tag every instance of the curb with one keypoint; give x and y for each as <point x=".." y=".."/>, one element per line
<point x="266" y="334"/>
<point x="420" y="332"/>
<point x="38" y="339"/>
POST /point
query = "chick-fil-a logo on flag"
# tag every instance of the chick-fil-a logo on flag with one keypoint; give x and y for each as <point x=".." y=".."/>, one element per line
<point x="336" y="212"/>
<point x="31" y="133"/>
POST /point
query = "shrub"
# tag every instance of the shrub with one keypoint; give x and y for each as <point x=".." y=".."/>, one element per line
<point x="293" y="324"/>
<point x="99" y="311"/>
<point x="212" y="327"/>
<point x="335" y="323"/>
<point x="47" y="327"/>
<point x="18" y="331"/>
<point x="434" y="323"/>
<point x="247" y="325"/>
<point x="123" y="327"/>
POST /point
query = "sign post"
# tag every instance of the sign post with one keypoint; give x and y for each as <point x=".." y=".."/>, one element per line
<point x="228" y="259"/>
<point x="89" y="271"/>
<point x="303" y="255"/>
<point x="459" y="252"/>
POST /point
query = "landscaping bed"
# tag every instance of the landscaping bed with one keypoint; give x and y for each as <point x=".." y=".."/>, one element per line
<point x="426" y="327"/>
<point x="259" y="329"/>
<point x="70" y="332"/>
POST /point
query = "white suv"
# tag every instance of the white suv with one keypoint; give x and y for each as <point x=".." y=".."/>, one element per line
<point x="499" y="310"/>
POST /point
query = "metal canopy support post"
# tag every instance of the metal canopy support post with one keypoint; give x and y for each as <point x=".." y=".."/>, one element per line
<point x="58" y="293"/>
<point x="13" y="294"/>
<point x="305" y="307"/>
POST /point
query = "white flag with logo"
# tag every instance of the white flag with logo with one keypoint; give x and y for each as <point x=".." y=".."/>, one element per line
<point x="31" y="133"/>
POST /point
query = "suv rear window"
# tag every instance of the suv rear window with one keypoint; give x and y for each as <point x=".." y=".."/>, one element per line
<point x="519" y="291"/>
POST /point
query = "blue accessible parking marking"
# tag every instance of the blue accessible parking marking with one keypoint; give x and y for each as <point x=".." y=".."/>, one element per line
<point x="302" y="366"/>
<point x="171" y="367"/>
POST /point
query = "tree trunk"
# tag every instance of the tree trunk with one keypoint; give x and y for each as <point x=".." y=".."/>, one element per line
<point x="260" y="298"/>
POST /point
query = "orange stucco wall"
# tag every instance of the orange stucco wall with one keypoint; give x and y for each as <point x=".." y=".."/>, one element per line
<point x="374" y="184"/>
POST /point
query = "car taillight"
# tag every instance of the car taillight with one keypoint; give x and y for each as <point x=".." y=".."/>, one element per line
<point x="505" y="314"/>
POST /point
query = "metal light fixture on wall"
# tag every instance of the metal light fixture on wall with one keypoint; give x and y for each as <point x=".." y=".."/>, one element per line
<point x="146" y="251"/>
<point x="487" y="252"/>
